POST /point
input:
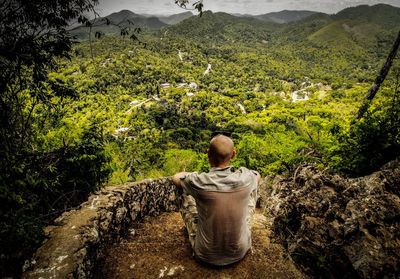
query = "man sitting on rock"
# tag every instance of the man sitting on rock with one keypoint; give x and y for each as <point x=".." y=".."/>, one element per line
<point x="217" y="206"/>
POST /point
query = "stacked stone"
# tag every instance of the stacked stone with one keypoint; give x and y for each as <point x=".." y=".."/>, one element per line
<point x="77" y="240"/>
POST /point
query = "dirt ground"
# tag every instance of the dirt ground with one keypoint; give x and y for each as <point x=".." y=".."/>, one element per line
<point x="159" y="248"/>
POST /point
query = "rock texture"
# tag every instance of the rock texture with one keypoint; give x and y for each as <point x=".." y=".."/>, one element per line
<point x="340" y="228"/>
<point x="77" y="240"/>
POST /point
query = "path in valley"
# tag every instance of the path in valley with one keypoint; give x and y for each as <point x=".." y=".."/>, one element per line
<point x="159" y="248"/>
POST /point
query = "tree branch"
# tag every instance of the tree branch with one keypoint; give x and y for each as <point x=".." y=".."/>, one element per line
<point x="379" y="80"/>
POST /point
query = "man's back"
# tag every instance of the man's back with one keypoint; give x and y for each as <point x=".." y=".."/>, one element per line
<point x="222" y="198"/>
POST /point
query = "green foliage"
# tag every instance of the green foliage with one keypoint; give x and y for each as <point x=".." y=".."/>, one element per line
<point x="247" y="92"/>
<point x="274" y="153"/>
<point x="43" y="186"/>
<point x="198" y="5"/>
<point x="177" y="160"/>
<point x="39" y="178"/>
<point x="372" y="141"/>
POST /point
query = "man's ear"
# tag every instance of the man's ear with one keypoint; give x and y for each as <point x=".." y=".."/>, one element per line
<point x="233" y="153"/>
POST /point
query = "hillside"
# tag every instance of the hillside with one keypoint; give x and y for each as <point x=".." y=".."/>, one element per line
<point x="349" y="30"/>
<point x="111" y="25"/>
<point x="223" y="27"/>
<point x="285" y="16"/>
<point x="384" y="15"/>
<point x="348" y="33"/>
<point x="362" y="27"/>
<point x="299" y="31"/>
<point x="174" y="19"/>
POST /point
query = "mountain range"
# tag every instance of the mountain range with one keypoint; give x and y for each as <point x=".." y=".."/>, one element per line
<point x="352" y="28"/>
<point x="126" y="18"/>
<point x="115" y="22"/>
<point x="282" y="16"/>
<point x="356" y="25"/>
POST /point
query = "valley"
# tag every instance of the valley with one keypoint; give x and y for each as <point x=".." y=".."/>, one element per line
<point x="284" y="91"/>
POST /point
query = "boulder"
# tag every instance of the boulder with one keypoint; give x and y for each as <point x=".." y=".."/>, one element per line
<point x="336" y="227"/>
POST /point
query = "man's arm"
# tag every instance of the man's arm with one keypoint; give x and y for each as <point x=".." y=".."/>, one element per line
<point x="258" y="176"/>
<point x="176" y="179"/>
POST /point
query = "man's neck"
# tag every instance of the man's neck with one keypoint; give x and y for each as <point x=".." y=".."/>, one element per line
<point x="221" y="166"/>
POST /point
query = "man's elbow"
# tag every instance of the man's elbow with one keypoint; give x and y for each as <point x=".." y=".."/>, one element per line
<point x="258" y="177"/>
<point x="176" y="179"/>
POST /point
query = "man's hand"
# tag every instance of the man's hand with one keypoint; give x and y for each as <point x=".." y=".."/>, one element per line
<point x="176" y="179"/>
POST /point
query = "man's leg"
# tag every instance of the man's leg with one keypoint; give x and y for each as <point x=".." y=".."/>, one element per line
<point x="189" y="215"/>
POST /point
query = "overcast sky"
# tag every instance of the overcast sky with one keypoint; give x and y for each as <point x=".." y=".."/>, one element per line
<point x="235" y="6"/>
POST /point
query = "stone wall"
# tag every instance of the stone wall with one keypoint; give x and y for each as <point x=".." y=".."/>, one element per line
<point x="77" y="240"/>
<point x="332" y="226"/>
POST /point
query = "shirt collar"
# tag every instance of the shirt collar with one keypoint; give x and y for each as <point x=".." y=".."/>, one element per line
<point x="228" y="168"/>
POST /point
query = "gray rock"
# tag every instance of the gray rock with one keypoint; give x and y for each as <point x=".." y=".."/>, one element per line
<point x="336" y="227"/>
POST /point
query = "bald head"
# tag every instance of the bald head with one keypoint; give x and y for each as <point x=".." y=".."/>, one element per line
<point x="221" y="151"/>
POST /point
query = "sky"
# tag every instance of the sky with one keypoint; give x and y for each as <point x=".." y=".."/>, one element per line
<point x="167" y="7"/>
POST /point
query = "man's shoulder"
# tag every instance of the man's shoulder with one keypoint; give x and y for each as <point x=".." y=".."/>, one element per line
<point x="247" y="175"/>
<point x="222" y="179"/>
<point x="245" y="170"/>
<point x="198" y="181"/>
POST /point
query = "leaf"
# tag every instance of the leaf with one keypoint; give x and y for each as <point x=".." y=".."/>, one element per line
<point x="134" y="37"/>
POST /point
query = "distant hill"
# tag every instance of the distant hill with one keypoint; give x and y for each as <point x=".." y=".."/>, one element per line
<point x="223" y="27"/>
<point x="124" y="18"/>
<point x="285" y="16"/>
<point x="174" y="19"/>
<point x="300" y="30"/>
<point x="346" y="33"/>
<point x="362" y="26"/>
<point x="121" y="16"/>
<point x="381" y="14"/>
<point x="371" y="28"/>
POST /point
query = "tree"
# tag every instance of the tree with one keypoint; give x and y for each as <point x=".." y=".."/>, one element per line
<point x="32" y="35"/>
<point x="34" y="182"/>
<point x="198" y="5"/>
<point x="380" y="78"/>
